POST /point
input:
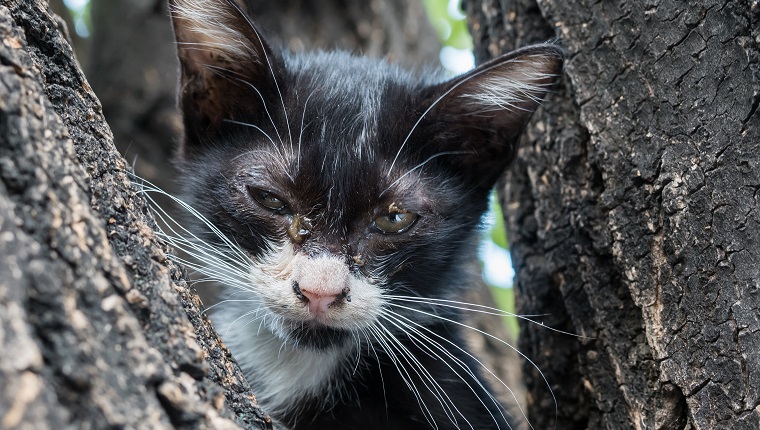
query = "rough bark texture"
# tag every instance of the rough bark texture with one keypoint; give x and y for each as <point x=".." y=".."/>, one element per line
<point x="94" y="328"/>
<point x="633" y="212"/>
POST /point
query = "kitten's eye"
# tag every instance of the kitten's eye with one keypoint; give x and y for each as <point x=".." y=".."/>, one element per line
<point x="267" y="199"/>
<point x="395" y="222"/>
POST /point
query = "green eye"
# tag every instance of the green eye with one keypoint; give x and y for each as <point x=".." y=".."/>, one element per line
<point x="395" y="222"/>
<point x="267" y="199"/>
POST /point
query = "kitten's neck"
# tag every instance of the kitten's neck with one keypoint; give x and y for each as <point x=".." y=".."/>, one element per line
<point x="285" y="376"/>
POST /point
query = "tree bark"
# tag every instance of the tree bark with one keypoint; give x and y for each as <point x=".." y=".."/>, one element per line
<point x="633" y="212"/>
<point x="94" y="327"/>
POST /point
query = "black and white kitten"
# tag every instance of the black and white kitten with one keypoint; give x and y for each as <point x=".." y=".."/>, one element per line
<point x="338" y="199"/>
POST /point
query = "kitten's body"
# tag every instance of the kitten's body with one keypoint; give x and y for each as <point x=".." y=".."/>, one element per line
<point x="347" y="195"/>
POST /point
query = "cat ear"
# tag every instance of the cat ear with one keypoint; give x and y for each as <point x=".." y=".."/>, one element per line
<point x="480" y="114"/>
<point x="224" y="63"/>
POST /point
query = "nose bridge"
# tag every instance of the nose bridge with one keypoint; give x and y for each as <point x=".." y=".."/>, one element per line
<point x="323" y="229"/>
<point x="323" y="275"/>
<point x="325" y="246"/>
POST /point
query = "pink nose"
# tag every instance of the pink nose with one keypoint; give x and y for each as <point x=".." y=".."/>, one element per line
<point x="322" y="282"/>
<point x="319" y="304"/>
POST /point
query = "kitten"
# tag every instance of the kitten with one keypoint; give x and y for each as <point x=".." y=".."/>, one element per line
<point x="338" y="200"/>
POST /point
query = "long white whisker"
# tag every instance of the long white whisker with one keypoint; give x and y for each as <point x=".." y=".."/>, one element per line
<point x="300" y="133"/>
<point x="408" y="330"/>
<point x="382" y="339"/>
<point x="469" y="307"/>
<point x="208" y="308"/>
<point x="255" y="127"/>
<point x="225" y="263"/>
<point x="271" y="70"/>
<point x="198" y="247"/>
<point x="252" y="312"/>
<point x="441" y="97"/>
<point x="230" y="245"/>
<point x="458" y="361"/>
<point x="532" y="363"/>
<point x="426" y="378"/>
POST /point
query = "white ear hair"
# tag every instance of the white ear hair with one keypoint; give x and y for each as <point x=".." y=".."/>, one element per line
<point x="213" y="25"/>
<point x="517" y="84"/>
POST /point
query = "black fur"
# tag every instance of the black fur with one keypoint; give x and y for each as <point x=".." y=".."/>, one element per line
<point x="347" y="157"/>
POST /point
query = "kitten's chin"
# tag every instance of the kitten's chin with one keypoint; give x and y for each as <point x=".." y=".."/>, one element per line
<point x="312" y="335"/>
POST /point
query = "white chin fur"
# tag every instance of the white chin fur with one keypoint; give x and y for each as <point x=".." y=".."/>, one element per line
<point x="254" y="325"/>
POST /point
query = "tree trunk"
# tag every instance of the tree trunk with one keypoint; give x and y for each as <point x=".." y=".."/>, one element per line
<point x="633" y="212"/>
<point x="94" y="328"/>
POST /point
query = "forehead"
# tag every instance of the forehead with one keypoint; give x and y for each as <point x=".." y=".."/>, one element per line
<point x="349" y="103"/>
<point x="346" y="119"/>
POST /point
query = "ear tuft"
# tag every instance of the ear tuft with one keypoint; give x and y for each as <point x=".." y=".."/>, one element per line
<point x="483" y="111"/>
<point x="217" y="26"/>
<point x="517" y="84"/>
<point x="227" y="68"/>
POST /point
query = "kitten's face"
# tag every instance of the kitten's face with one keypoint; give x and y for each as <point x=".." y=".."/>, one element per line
<point x="332" y="224"/>
<point x="345" y="181"/>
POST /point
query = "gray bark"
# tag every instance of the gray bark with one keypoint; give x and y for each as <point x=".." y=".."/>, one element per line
<point x="397" y="30"/>
<point x="633" y="212"/>
<point x="94" y="327"/>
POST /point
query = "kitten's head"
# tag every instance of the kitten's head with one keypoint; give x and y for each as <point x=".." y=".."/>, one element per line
<point x="343" y="180"/>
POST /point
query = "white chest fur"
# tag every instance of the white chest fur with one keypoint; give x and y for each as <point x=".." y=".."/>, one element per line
<point x="280" y="374"/>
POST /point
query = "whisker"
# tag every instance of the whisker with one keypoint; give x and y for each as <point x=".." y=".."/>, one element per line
<point x="459" y="363"/>
<point x="266" y="110"/>
<point x="404" y="327"/>
<point x="154" y="189"/>
<point x="271" y="69"/>
<point x="382" y="339"/>
<point x="255" y="127"/>
<point x="489" y="310"/>
<point x="300" y="133"/>
<point x="441" y="97"/>
<point x="422" y="164"/>
<point x="532" y="363"/>
<point x="370" y="345"/>
<point x="206" y="309"/>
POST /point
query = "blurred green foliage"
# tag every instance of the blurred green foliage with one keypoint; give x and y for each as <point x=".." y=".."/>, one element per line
<point x="497" y="233"/>
<point x="505" y="300"/>
<point x="452" y="28"/>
